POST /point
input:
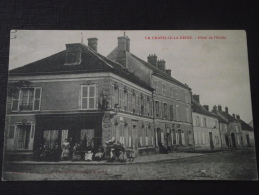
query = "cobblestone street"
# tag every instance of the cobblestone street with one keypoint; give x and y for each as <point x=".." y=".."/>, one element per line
<point x="229" y="165"/>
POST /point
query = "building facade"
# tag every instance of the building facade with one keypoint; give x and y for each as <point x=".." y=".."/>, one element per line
<point x="248" y="133"/>
<point x="205" y="127"/>
<point x="233" y="134"/>
<point x="80" y="95"/>
<point x="171" y="99"/>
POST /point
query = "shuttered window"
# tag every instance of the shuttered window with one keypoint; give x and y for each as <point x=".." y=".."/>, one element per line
<point x="27" y="99"/>
<point x="177" y="113"/>
<point x="88" y="97"/>
<point x="15" y="100"/>
<point x="37" y="97"/>
<point x="11" y="132"/>
<point x="163" y="89"/>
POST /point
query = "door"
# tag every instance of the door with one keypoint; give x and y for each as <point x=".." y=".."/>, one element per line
<point x="22" y="137"/>
<point x="233" y="139"/>
<point x="227" y="141"/>
<point x="247" y="140"/>
<point x="211" y="141"/>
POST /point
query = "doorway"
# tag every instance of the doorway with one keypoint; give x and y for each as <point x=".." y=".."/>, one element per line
<point x="211" y="141"/>
<point x="22" y="136"/>
<point x="233" y="139"/>
<point x="247" y="140"/>
<point x="227" y="140"/>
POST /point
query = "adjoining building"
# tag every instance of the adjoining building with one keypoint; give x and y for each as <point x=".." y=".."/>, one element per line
<point x="248" y="133"/>
<point x="205" y="126"/>
<point x="171" y="99"/>
<point x="233" y="135"/>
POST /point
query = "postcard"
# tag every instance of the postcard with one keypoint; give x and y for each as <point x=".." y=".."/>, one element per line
<point x="129" y="105"/>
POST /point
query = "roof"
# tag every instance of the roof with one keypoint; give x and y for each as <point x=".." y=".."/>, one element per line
<point x="131" y="58"/>
<point x="245" y="126"/>
<point x="91" y="62"/>
<point x="228" y="116"/>
<point x="198" y="108"/>
<point x="221" y="118"/>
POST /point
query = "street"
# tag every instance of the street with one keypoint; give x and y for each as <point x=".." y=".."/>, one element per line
<point x="230" y="165"/>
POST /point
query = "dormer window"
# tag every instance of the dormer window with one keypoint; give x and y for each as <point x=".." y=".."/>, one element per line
<point x="73" y="58"/>
<point x="73" y="54"/>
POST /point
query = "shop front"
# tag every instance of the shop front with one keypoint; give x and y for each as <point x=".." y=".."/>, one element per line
<point x="83" y="129"/>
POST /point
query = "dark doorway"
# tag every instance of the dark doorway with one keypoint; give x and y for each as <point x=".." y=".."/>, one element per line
<point x="248" y="140"/>
<point x="211" y="141"/>
<point x="233" y="139"/>
<point x="23" y="133"/>
<point x="159" y="136"/>
<point x="227" y="140"/>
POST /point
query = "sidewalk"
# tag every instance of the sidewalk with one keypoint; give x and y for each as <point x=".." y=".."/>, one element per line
<point x="138" y="160"/>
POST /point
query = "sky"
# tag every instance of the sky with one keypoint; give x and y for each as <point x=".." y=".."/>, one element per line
<point x="215" y="69"/>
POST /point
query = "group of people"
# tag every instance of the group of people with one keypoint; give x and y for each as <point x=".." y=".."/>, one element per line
<point x="68" y="152"/>
<point x="117" y="152"/>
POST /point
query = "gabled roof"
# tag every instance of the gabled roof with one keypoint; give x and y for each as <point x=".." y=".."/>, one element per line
<point x="221" y="118"/>
<point x="131" y="58"/>
<point x="198" y="108"/>
<point x="245" y="126"/>
<point x="91" y="62"/>
<point x="228" y="116"/>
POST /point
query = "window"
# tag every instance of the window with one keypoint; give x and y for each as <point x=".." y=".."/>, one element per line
<point x="176" y="94"/>
<point x="73" y="58"/>
<point x="186" y="97"/>
<point x="11" y="132"/>
<point x="177" y="113"/>
<point x="171" y="112"/>
<point x="165" y="110"/>
<point x="187" y="115"/>
<point x="204" y="122"/>
<point x="197" y="121"/>
<point x="155" y="87"/>
<point x="171" y="92"/>
<point x="157" y="108"/>
<point x="130" y="101"/>
<point x="163" y="89"/>
<point x="88" y="97"/>
<point x="27" y="99"/>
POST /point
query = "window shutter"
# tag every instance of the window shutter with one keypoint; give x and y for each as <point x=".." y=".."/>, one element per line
<point x="32" y="131"/>
<point x="11" y="131"/>
<point x="37" y="98"/>
<point x="84" y="94"/>
<point x="15" y="100"/>
<point x="92" y="97"/>
<point x="112" y="97"/>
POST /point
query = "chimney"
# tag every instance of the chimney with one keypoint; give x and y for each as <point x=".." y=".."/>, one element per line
<point x="152" y="59"/>
<point x="219" y="107"/>
<point x="238" y="117"/>
<point x="161" y="65"/>
<point x="168" y="72"/>
<point x="93" y="42"/>
<point x="234" y="116"/>
<point x="197" y="98"/>
<point x="206" y="107"/>
<point x="127" y="44"/>
<point x="214" y="108"/>
<point x="122" y="43"/>
<point x="226" y="109"/>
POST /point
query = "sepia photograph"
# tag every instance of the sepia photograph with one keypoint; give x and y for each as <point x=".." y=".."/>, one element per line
<point x="128" y="105"/>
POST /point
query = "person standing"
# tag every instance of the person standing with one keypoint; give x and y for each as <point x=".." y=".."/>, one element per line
<point x="65" y="155"/>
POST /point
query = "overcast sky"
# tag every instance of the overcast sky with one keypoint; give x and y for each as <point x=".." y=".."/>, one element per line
<point x="215" y="69"/>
